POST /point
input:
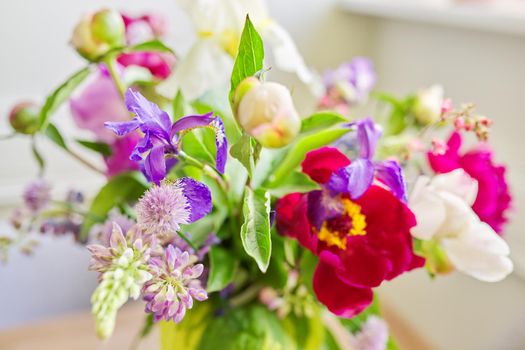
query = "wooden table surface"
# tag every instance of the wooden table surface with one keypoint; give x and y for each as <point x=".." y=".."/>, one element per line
<point x="76" y="332"/>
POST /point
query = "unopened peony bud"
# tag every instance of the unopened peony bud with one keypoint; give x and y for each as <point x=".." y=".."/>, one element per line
<point x="266" y="111"/>
<point x="428" y="104"/>
<point x="24" y="118"/>
<point x="97" y="33"/>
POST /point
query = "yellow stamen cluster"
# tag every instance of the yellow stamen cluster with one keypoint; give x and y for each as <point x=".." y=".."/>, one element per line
<point x="338" y="239"/>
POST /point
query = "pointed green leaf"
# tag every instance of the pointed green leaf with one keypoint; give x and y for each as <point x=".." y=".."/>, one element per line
<point x="153" y="45"/>
<point x="54" y="135"/>
<point x="61" y="94"/>
<point x="255" y="231"/>
<point x="222" y="268"/>
<point x="243" y="152"/>
<point x="250" y="57"/>
<point x="99" y="147"/>
<point x="321" y="120"/>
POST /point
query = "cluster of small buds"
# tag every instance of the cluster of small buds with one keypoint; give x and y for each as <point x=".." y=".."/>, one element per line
<point x="294" y="298"/>
<point x="61" y="226"/>
<point x="174" y="286"/>
<point x="465" y="120"/>
<point x="439" y="147"/>
<point x="37" y="195"/>
<point x="123" y="267"/>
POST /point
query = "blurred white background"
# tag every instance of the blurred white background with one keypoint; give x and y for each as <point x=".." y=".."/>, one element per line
<point x="480" y="63"/>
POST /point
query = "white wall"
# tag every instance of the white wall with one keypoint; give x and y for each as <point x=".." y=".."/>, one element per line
<point x="453" y="312"/>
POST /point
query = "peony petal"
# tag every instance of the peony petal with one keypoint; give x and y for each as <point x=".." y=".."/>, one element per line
<point x="340" y="298"/>
<point x="429" y="209"/>
<point x="320" y="164"/>
<point x="292" y="220"/>
<point x="457" y="182"/>
<point x="480" y="253"/>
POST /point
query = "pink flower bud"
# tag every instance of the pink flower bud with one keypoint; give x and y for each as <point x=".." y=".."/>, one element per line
<point x="446" y="106"/>
<point x="439" y="147"/>
<point x="97" y="33"/>
<point x="459" y="123"/>
<point x="24" y="118"/>
<point x="266" y="111"/>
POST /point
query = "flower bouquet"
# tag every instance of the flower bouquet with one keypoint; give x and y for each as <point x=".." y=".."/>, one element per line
<point x="239" y="223"/>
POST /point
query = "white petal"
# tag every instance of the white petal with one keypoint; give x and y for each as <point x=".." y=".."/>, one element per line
<point x="285" y="53"/>
<point x="429" y="209"/>
<point x="459" y="215"/>
<point x="479" y="255"/>
<point x="457" y="182"/>
<point x="205" y="67"/>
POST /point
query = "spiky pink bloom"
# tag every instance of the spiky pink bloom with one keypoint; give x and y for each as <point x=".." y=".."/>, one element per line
<point x="174" y="285"/>
<point x="164" y="208"/>
<point x="37" y="195"/>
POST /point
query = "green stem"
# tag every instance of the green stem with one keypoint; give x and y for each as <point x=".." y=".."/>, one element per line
<point x="246" y="295"/>
<point x="86" y="162"/>
<point x="187" y="240"/>
<point x="113" y="72"/>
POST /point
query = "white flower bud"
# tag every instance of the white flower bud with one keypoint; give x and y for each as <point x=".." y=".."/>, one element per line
<point x="427" y="107"/>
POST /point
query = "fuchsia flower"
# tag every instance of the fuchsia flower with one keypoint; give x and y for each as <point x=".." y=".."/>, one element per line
<point x="142" y="29"/>
<point x="494" y="198"/>
<point x="161" y="136"/>
<point x="119" y="162"/>
<point x="96" y="103"/>
<point x="174" y="285"/>
<point x="359" y="229"/>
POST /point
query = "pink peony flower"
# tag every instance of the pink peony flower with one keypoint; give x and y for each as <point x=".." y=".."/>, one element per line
<point x="493" y="199"/>
<point x="97" y="103"/>
<point x="119" y="161"/>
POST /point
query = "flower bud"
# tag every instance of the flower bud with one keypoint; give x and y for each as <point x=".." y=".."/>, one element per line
<point x="266" y="111"/>
<point x="428" y="103"/>
<point x="97" y="33"/>
<point x="24" y="118"/>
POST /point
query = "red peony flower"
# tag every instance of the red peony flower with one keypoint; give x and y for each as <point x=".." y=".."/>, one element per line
<point x="360" y="243"/>
<point x="493" y="199"/>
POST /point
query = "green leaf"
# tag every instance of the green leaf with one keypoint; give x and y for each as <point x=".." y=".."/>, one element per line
<point x="180" y="107"/>
<point x="222" y="268"/>
<point x="250" y="57"/>
<point x="61" y="94"/>
<point x="38" y="157"/>
<point x="99" y="147"/>
<point x="321" y="120"/>
<point x="255" y="231"/>
<point x="243" y="152"/>
<point x="295" y="182"/>
<point x="298" y="151"/>
<point x="121" y="189"/>
<point x="307" y="267"/>
<point x="188" y="333"/>
<point x="148" y="326"/>
<point x="54" y="135"/>
<point x="153" y="45"/>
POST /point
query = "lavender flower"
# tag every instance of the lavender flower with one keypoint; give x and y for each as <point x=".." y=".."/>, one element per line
<point x="37" y="195"/>
<point x="174" y="285"/>
<point x="161" y="137"/>
<point x="357" y="177"/>
<point x="124" y="269"/>
<point x="164" y="208"/>
<point x="103" y="233"/>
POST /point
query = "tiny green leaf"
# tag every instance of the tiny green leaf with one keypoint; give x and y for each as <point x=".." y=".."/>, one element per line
<point x="153" y="45"/>
<point x="99" y="147"/>
<point x="61" y="94"/>
<point x="298" y="151"/>
<point x="54" y="135"/>
<point x="180" y="107"/>
<point x="38" y="157"/>
<point x="255" y="231"/>
<point x="321" y="120"/>
<point x="222" y="268"/>
<point x="250" y="57"/>
<point x="243" y="152"/>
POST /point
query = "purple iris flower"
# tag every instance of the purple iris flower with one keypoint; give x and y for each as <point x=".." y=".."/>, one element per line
<point x="357" y="177"/>
<point x="357" y="74"/>
<point x="161" y="136"/>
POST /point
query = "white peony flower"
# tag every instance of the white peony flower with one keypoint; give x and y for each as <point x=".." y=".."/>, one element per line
<point x="219" y="25"/>
<point x="442" y="206"/>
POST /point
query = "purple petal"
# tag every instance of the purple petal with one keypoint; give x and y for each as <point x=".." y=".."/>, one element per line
<point x="390" y="173"/>
<point x="316" y="210"/>
<point x="142" y="146"/>
<point x="206" y="120"/>
<point x="155" y="165"/>
<point x="148" y="113"/>
<point x="198" y="196"/>
<point x="123" y="128"/>
<point x="190" y="122"/>
<point x="367" y="136"/>
<point x="353" y="179"/>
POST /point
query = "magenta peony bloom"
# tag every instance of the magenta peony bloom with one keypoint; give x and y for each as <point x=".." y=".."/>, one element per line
<point x="121" y="149"/>
<point x="494" y="198"/>
<point x="97" y="102"/>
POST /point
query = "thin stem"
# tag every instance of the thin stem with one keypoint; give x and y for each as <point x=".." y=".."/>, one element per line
<point x="86" y="162"/>
<point x="112" y="69"/>
<point x="187" y="240"/>
<point x="7" y="137"/>
<point x="246" y="295"/>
